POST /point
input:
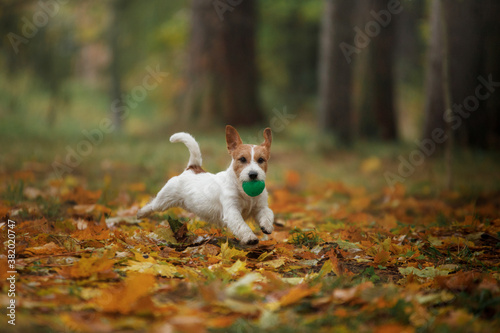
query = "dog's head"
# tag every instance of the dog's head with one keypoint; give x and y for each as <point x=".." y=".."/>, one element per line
<point x="249" y="161"/>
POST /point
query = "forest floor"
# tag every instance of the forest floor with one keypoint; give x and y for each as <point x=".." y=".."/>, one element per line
<point x="348" y="253"/>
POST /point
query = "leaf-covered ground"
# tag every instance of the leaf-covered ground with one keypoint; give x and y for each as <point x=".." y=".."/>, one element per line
<point x="341" y="259"/>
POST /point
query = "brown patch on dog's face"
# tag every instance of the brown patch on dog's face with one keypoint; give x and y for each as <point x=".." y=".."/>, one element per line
<point x="261" y="156"/>
<point x="242" y="156"/>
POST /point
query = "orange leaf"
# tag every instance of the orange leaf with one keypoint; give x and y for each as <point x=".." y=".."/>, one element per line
<point x="81" y="196"/>
<point x="394" y="328"/>
<point x="49" y="248"/>
<point x="382" y="257"/>
<point x="292" y="178"/>
<point x="92" y="232"/>
<point x="126" y="297"/>
<point x="297" y="293"/>
<point x="459" y="281"/>
<point x="86" y="267"/>
<point x="347" y="295"/>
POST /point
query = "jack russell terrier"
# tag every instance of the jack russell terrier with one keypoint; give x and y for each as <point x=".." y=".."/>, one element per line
<point x="221" y="198"/>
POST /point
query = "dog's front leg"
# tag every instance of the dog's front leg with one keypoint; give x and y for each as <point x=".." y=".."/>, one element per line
<point x="235" y="222"/>
<point x="265" y="218"/>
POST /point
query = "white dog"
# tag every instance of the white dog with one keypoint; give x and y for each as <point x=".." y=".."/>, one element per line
<point x="219" y="198"/>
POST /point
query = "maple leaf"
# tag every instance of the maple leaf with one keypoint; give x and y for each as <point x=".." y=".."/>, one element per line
<point x="236" y="268"/>
<point x="92" y="232"/>
<point x="228" y="253"/>
<point x="49" y="248"/>
<point x="127" y="296"/>
<point x="165" y="270"/>
<point x="150" y="266"/>
<point x="86" y="267"/>
<point x="382" y="257"/>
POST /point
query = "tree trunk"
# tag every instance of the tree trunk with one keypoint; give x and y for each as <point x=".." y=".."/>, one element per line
<point x="381" y="63"/>
<point x="222" y="74"/>
<point x="466" y="55"/>
<point x="335" y="106"/>
<point x="470" y="30"/>
<point x="491" y="31"/>
<point x="434" y="103"/>
<point x="117" y="7"/>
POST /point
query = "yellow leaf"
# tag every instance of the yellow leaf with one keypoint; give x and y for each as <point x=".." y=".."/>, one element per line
<point x="145" y="267"/>
<point x="263" y="256"/>
<point x="370" y="165"/>
<point x="231" y="253"/>
<point x="274" y="263"/>
<point x="238" y="266"/>
<point x="327" y="268"/>
<point x="386" y="244"/>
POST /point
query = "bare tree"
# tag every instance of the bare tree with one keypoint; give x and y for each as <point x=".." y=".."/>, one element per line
<point x="222" y="73"/>
<point x="471" y="35"/>
<point x="434" y="103"/>
<point x="378" y="114"/>
<point x="335" y="77"/>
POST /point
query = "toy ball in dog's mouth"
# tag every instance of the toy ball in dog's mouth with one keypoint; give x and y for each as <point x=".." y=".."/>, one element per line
<point x="254" y="188"/>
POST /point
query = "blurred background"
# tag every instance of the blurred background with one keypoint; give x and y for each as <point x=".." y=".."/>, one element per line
<point x="354" y="90"/>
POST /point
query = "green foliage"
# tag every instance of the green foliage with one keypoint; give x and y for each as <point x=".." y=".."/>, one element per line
<point x="176" y="223"/>
<point x="14" y="193"/>
<point x="306" y="238"/>
<point x="370" y="273"/>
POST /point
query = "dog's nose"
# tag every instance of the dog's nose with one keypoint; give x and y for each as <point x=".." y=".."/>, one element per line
<point x="253" y="175"/>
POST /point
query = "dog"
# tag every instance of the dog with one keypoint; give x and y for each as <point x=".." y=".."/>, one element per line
<point x="220" y="198"/>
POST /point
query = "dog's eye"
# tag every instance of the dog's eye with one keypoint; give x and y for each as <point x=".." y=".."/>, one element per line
<point x="242" y="160"/>
<point x="261" y="160"/>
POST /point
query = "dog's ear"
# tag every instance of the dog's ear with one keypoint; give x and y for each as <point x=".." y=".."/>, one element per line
<point x="268" y="136"/>
<point x="233" y="139"/>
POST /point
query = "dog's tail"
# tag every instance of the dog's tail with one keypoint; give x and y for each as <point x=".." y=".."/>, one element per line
<point x="192" y="145"/>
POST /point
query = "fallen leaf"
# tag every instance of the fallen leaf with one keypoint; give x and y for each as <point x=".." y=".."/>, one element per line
<point x="297" y="293"/>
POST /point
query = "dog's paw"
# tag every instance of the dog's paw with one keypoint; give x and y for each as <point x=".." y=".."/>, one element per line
<point x="267" y="230"/>
<point x="143" y="212"/>
<point x="250" y="241"/>
<point x="266" y="220"/>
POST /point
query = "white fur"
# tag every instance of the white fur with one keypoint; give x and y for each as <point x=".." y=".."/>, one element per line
<point x="215" y="198"/>
<point x="191" y="144"/>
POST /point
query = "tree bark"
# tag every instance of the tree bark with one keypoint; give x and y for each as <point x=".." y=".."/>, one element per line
<point x="222" y="73"/>
<point x="335" y="77"/>
<point x="466" y="55"/>
<point x="380" y="78"/>
<point x="117" y="7"/>
<point x="472" y="33"/>
<point x="434" y="103"/>
<point x="491" y="65"/>
<point x="382" y="61"/>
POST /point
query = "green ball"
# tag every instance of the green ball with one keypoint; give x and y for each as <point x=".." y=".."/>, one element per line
<point x="254" y="188"/>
